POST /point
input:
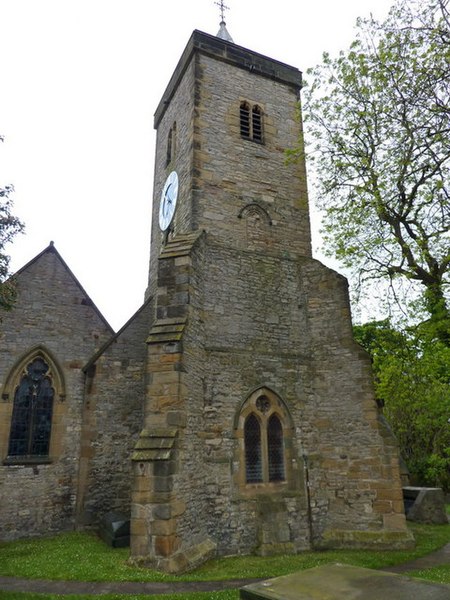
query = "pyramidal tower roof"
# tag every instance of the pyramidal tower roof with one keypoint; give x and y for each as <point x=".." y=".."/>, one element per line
<point x="223" y="33"/>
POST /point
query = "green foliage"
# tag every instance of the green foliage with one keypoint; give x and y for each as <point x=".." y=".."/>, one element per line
<point x="377" y="119"/>
<point x="412" y="377"/>
<point x="9" y="227"/>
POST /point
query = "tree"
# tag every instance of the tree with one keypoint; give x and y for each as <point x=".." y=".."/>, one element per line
<point x="412" y="382"/>
<point x="378" y="117"/>
<point x="9" y="227"/>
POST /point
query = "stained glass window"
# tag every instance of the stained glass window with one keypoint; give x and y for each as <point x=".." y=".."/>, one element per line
<point x="32" y="412"/>
<point x="275" y="449"/>
<point x="252" y="440"/>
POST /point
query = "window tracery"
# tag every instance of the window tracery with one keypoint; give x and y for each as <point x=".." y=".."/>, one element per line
<point x="265" y="426"/>
<point x="32" y="412"/>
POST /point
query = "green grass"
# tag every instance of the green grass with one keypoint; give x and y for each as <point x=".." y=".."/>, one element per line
<point x="428" y="538"/>
<point x="84" y="557"/>
<point x="70" y="556"/>
<point x="227" y="595"/>
<point x="439" y="574"/>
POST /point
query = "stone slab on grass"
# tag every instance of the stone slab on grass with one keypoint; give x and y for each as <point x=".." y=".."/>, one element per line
<point x="344" y="582"/>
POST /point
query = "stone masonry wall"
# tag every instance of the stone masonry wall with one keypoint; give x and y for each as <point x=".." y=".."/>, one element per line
<point x="225" y="181"/>
<point x="218" y="379"/>
<point x="256" y="320"/>
<point x="231" y="173"/>
<point x="53" y="313"/>
<point x="113" y="418"/>
<point x="179" y="111"/>
<point x="352" y="457"/>
<point x="247" y="309"/>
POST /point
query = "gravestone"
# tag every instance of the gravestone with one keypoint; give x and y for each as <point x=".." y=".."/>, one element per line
<point x="115" y="530"/>
<point x="344" y="582"/>
<point x="425" y="505"/>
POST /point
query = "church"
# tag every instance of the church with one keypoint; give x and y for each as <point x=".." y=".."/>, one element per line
<point x="233" y="413"/>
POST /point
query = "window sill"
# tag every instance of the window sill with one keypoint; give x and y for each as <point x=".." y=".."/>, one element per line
<point x="27" y="460"/>
<point x="252" y="491"/>
<point x="262" y="487"/>
<point x="250" y="139"/>
<point x="265" y="484"/>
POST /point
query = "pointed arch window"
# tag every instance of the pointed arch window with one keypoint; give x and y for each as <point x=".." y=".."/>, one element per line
<point x="252" y="441"/>
<point x="171" y="144"/>
<point x="264" y="430"/>
<point x="275" y="450"/>
<point x="251" y="122"/>
<point x="32" y="412"/>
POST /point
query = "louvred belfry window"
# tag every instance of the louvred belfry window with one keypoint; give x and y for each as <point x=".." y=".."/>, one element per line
<point x="256" y="124"/>
<point x="251" y="122"/>
<point x="32" y="412"/>
<point x="245" y="120"/>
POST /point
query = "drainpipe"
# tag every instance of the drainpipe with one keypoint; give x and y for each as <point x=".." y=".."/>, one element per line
<point x="308" y="497"/>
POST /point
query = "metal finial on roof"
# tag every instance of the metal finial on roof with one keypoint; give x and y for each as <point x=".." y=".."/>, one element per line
<point x="223" y="32"/>
<point x="223" y="7"/>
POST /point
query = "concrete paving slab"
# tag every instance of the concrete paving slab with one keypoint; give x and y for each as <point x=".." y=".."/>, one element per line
<point x="344" y="582"/>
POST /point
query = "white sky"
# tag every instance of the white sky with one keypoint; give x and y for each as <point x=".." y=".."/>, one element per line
<point x="79" y="83"/>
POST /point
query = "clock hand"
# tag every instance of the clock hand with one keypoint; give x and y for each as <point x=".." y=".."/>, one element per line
<point x="167" y="201"/>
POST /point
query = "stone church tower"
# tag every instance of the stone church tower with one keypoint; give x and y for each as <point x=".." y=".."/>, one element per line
<point x="233" y="413"/>
<point x="261" y="432"/>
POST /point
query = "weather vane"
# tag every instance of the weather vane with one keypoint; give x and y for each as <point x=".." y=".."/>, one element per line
<point x="223" y="8"/>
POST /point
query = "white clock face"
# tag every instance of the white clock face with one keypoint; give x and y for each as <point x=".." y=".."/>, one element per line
<point x="168" y="201"/>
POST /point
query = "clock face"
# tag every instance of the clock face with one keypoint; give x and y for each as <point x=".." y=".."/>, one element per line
<point x="168" y="201"/>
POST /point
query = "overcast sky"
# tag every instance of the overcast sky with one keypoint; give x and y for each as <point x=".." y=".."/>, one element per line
<point x="79" y="83"/>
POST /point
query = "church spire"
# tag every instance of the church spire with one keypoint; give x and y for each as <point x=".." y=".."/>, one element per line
<point x="223" y="31"/>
